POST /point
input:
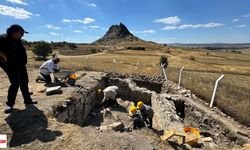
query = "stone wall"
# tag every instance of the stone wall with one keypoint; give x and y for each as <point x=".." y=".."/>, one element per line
<point x="128" y="90"/>
<point x="165" y="116"/>
<point x="77" y="107"/>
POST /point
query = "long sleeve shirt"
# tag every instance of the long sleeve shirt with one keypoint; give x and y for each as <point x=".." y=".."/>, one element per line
<point x="110" y="92"/>
<point x="48" y="67"/>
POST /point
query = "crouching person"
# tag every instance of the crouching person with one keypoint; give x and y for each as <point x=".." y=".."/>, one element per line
<point x="138" y="122"/>
<point x="48" y="67"/>
<point x="109" y="96"/>
<point x="147" y="113"/>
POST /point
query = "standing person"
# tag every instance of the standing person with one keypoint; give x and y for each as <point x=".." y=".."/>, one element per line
<point x="48" y="67"/>
<point x="147" y="113"/>
<point x="109" y="96"/>
<point x="14" y="64"/>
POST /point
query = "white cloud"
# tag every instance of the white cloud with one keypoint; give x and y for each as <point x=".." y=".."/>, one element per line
<point x="77" y="31"/>
<point x="84" y="21"/>
<point x="194" y="26"/>
<point x="91" y="5"/>
<point x="169" y="20"/>
<point x="169" y="28"/>
<point x="88" y="20"/>
<point x="186" y="26"/>
<point x="84" y="27"/>
<point x="54" y="33"/>
<point x="17" y="2"/>
<point x="94" y="27"/>
<point x="241" y="26"/>
<point x="212" y="25"/>
<point x="77" y="20"/>
<point x="148" y="31"/>
<point x="16" y="12"/>
<point x="235" y="20"/>
<point x="66" y="21"/>
<point x="246" y="16"/>
<point x="51" y="26"/>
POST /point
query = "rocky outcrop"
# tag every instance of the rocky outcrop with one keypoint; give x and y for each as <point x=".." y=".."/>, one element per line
<point x="117" y="33"/>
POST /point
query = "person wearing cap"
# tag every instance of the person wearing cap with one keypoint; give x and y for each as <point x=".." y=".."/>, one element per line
<point x="138" y="122"/>
<point x="13" y="62"/>
<point x="49" y="67"/>
<point x="147" y="113"/>
<point x="109" y="96"/>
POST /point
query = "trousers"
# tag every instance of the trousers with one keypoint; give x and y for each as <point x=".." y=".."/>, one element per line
<point x="18" y="77"/>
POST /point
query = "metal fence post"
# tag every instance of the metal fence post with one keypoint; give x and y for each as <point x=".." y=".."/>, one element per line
<point x="163" y="70"/>
<point x="138" y="66"/>
<point x="87" y="62"/>
<point x="215" y="88"/>
<point x="179" y="83"/>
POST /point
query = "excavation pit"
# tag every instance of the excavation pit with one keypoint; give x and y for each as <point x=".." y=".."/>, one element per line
<point x="171" y="110"/>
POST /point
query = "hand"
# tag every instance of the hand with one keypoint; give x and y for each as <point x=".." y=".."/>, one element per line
<point x="3" y="57"/>
<point x="56" y="70"/>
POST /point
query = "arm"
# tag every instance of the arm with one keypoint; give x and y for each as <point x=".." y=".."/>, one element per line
<point x="51" y="67"/>
<point x="56" y="68"/>
<point x="3" y="57"/>
<point x="131" y="124"/>
<point x="104" y="97"/>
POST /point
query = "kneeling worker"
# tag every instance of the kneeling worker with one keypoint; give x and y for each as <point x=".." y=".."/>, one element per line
<point x="147" y="113"/>
<point x="48" y="67"/>
<point x="109" y="96"/>
<point x="137" y="118"/>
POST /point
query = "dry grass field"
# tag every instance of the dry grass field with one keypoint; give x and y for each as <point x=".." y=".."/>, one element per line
<point x="202" y="68"/>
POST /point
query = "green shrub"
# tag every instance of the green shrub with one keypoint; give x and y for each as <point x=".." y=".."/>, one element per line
<point x="136" y="48"/>
<point x="164" y="60"/>
<point x="192" y="58"/>
<point x="93" y="50"/>
<point x="42" y="49"/>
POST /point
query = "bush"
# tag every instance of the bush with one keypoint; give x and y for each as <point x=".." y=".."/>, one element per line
<point x="164" y="60"/>
<point x="192" y="58"/>
<point x="93" y="50"/>
<point x="42" y="49"/>
<point x="136" y="48"/>
<point x="72" y="46"/>
<point x="234" y="51"/>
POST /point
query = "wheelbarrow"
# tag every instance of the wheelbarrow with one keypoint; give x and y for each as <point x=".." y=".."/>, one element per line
<point x="62" y="76"/>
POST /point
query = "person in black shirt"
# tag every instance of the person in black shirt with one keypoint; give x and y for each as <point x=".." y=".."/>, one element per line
<point x="13" y="62"/>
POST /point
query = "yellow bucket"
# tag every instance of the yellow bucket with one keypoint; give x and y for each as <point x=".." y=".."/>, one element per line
<point x="192" y="135"/>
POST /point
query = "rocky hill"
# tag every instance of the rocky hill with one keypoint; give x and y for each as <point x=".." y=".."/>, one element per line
<point x="116" y="34"/>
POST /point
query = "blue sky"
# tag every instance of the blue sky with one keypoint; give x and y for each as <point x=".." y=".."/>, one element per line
<point x="163" y="21"/>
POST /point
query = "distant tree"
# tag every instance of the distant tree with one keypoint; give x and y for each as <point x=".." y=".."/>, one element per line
<point x="192" y="58"/>
<point x="42" y="49"/>
<point x="93" y="50"/>
<point x="136" y="48"/>
<point x="164" y="60"/>
<point x="72" y="46"/>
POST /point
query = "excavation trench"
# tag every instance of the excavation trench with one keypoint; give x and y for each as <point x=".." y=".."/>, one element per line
<point x="170" y="111"/>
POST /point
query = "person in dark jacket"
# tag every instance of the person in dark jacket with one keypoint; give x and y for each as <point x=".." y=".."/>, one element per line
<point x="147" y="113"/>
<point x="13" y="62"/>
<point x="138" y="122"/>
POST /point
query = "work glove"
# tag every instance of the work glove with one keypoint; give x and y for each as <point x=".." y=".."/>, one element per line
<point x="56" y="70"/>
